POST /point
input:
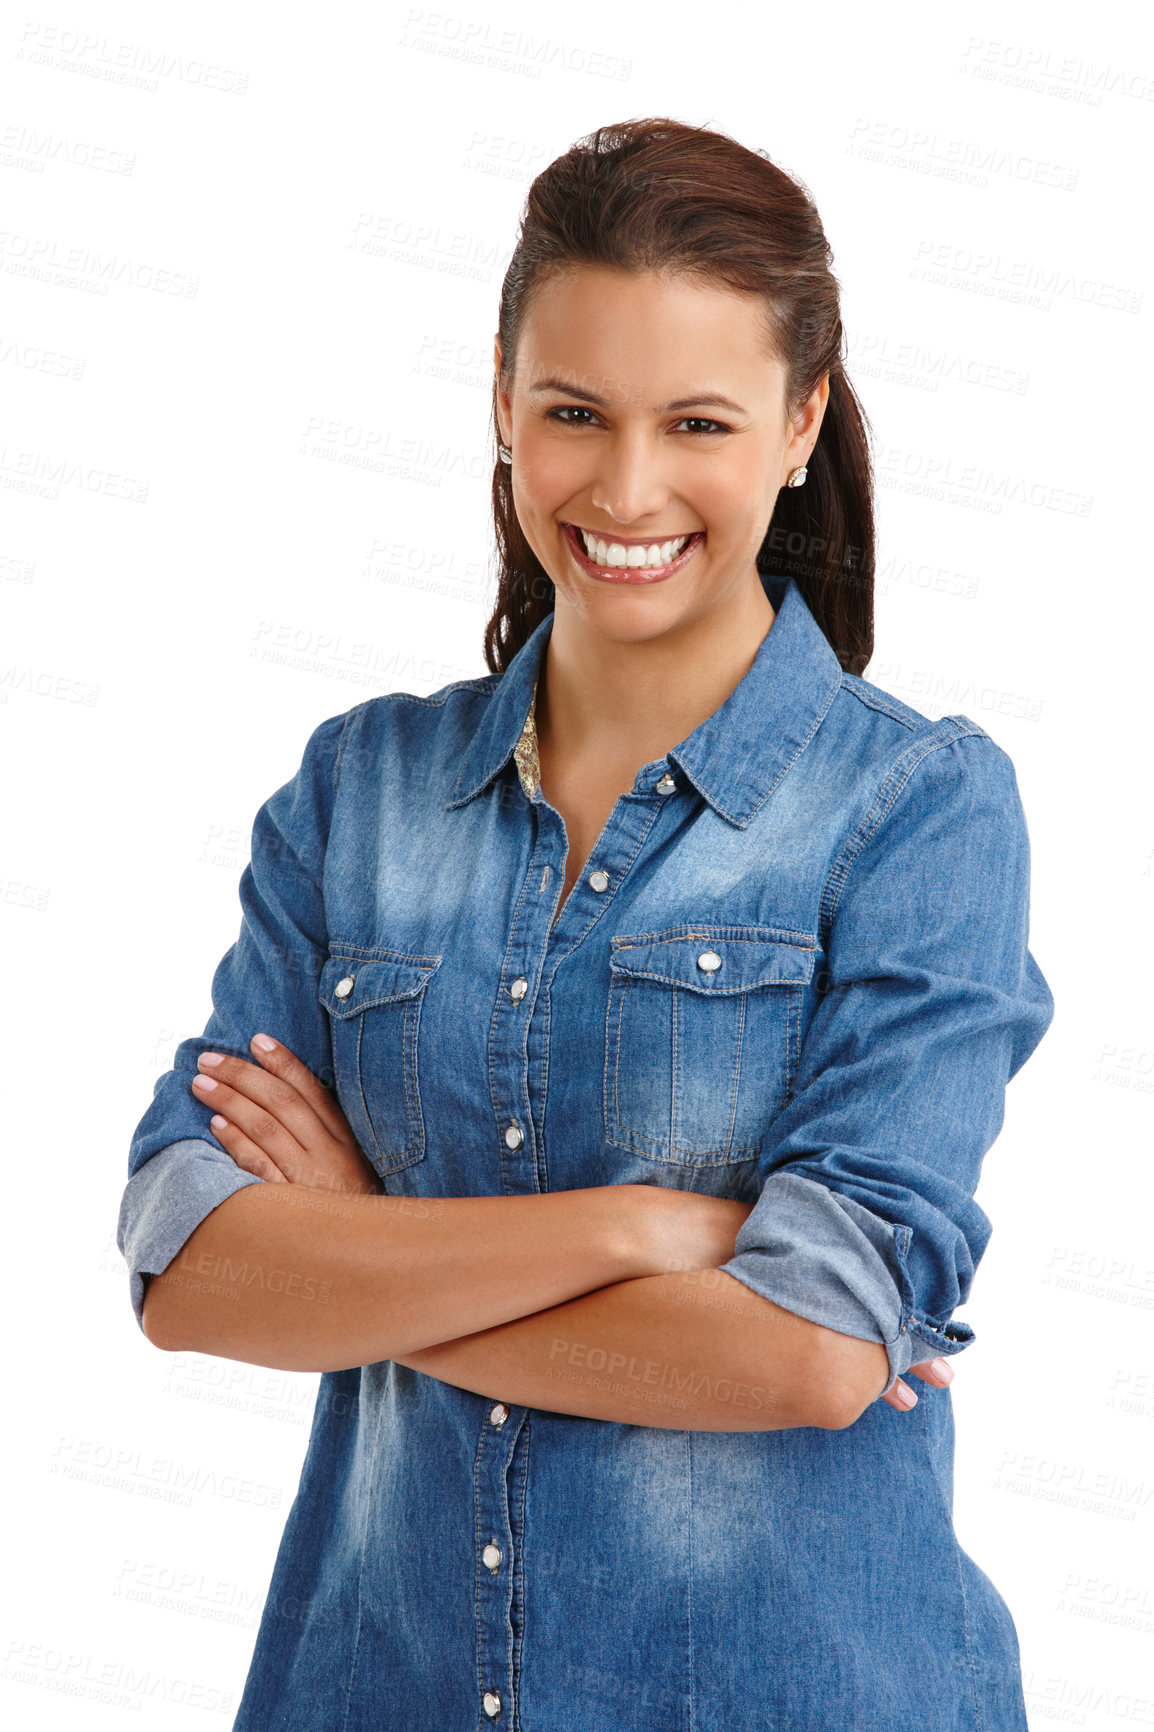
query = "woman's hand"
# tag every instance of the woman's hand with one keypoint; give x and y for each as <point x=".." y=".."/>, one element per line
<point x="939" y="1372"/>
<point x="278" y="1121"/>
<point x="690" y="1230"/>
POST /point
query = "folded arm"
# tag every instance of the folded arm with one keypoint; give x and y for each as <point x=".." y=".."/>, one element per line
<point x="693" y="1351"/>
<point x="304" y="1280"/>
<point x="605" y="1303"/>
<point x="930" y="1002"/>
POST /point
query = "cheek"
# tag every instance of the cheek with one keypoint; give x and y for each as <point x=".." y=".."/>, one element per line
<point x="728" y="512"/>
<point x="538" y="501"/>
<point x="544" y="477"/>
<point x="743" y="499"/>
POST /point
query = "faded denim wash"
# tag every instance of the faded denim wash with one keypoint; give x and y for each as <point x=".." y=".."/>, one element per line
<point x="794" y="970"/>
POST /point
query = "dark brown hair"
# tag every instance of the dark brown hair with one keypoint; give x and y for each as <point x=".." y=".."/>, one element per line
<point x="658" y="195"/>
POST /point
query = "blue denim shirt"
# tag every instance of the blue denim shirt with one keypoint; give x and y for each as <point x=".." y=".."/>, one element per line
<point x="794" y="970"/>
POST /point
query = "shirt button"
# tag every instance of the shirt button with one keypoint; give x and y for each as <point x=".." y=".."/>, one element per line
<point x="344" y="987"/>
<point x="492" y="1703"/>
<point x="491" y="1557"/>
<point x="599" y="881"/>
<point x="514" y="1137"/>
<point x="499" y="1414"/>
<point x="518" y="989"/>
<point x="666" y="784"/>
<point x="709" y="962"/>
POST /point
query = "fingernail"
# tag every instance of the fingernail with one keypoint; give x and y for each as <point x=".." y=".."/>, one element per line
<point x="906" y="1395"/>
<point x="203" y="1082"/>
<point x="943" y="1369"/>
<point x="218" y="1122"/>
<point x="263" y="1042"/>
<point x="211" y="1057"/>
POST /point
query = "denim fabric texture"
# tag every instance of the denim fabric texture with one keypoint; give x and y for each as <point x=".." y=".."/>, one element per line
<point x="794" y="970"/>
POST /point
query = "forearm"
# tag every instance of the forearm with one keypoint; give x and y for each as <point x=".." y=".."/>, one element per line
<point x="661" y="1350"/>
<point x="302" y="1280"/>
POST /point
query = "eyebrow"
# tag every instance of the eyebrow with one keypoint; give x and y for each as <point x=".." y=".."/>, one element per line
<point x="707" y="399"/>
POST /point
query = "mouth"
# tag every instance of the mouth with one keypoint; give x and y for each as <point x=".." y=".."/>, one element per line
<point x="630" y="561"/>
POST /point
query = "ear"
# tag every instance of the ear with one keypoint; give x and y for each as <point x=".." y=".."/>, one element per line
<point x="503" y="407"/>
<point x="806" y="425"/>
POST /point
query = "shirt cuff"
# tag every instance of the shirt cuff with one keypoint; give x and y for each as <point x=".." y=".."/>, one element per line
<point x="823" y="1256"/>
<point x="164" y="1202"/>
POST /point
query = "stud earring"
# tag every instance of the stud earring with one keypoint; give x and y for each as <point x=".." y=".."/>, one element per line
<point x="504" y="453"/>
<point x="796" y="477"/>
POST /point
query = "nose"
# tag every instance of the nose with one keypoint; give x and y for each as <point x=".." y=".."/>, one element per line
<point x="629" y="485"/>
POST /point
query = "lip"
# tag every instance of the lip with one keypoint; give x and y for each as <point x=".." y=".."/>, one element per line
<point x="631" y="574"/>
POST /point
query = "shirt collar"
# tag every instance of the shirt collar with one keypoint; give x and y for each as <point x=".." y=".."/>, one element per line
<point x="735" y="758"/>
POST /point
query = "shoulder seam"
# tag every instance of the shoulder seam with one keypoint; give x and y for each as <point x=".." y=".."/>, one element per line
<point x="355" y="711"/>
<point x="483" y="683"/>
<point x="877" y="700"/>
<point x="945" y="732"/>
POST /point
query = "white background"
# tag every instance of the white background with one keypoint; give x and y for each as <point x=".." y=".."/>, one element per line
<point x="249" y="272"/>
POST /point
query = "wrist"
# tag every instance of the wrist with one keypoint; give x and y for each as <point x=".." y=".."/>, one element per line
<point x="635" y="1229"/>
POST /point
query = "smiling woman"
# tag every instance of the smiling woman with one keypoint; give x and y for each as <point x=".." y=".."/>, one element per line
<point x="601" y="1079"/>
<point x="635" y="489"/>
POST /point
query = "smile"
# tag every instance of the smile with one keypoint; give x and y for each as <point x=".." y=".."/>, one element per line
<point x="630" y="561"/>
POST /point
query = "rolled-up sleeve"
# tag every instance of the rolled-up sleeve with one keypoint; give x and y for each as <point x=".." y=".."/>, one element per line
<point x="930" y="1002"/>
<point x="177" y="1170"/>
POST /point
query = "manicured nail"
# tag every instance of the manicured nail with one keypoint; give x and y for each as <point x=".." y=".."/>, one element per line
<point x="906" y="1395"/>
<point x="211" y="1057"/>
<point x="943" y="1369"/>
<point x="204" y="1082"/>
<point x="263" y="1043"/>
<point x="218" y="1122"/>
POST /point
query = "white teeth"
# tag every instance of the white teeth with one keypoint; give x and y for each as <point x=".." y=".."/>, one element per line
<point x="616" y="553"/>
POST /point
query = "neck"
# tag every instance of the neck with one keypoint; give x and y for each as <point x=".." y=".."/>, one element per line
<point x="612" y="706"/>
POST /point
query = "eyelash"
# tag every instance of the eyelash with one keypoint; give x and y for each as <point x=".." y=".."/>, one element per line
<point x="580" y="408"/>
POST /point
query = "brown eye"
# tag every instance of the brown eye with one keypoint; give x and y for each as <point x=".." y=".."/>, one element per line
<point x="569" y="409"/>
<point x="701" y="424"/>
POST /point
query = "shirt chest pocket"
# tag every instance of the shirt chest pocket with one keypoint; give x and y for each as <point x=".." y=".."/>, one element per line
<point x="375" y="1003"/>
<point x="701" y="1039"/>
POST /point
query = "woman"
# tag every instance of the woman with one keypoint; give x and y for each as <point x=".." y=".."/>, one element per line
<point x="669" y="978"/>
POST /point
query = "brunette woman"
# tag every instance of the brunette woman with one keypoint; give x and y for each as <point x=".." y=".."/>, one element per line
<point x="598" y="1088"/>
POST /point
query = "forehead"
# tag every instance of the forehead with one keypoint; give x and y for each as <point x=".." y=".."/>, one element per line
<point x="637" y="337"/>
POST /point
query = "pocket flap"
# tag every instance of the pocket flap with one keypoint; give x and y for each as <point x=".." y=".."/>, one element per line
<point x="717" y="959"/>
<point x="350" y="984"/>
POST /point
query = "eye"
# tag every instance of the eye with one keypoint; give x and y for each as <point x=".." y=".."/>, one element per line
<point x="703" y="425"/>
<point x="699" y="425"/>
<point x="569" y="409"/>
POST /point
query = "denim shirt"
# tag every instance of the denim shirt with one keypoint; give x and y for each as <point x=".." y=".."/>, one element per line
<point x="794" y="970"/>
